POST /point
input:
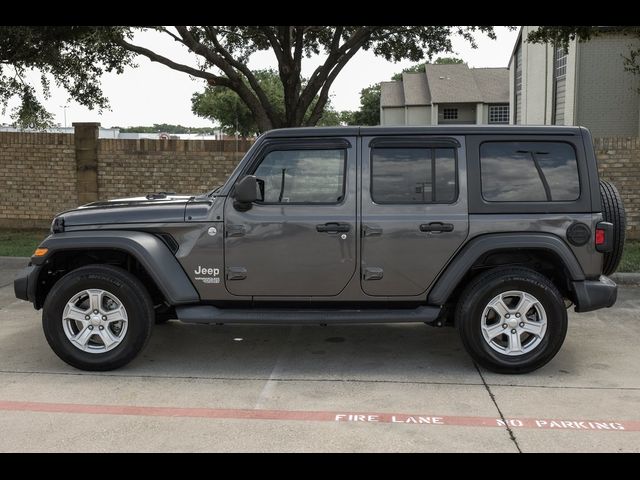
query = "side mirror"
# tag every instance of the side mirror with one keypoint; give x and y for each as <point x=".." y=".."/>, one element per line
<point x="246" y="192"/>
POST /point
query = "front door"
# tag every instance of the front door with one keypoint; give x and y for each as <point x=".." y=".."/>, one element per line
<point x="414" y="211"/>
<point x="300" y="239"/>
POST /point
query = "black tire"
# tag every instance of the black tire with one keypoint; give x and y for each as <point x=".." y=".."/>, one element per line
<point x="477" y="295"/>
<point x="133" y="296"/>
<point x="613" y="211"/>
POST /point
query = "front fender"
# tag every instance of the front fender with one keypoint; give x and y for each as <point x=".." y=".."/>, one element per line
<point x="152" y="253"/>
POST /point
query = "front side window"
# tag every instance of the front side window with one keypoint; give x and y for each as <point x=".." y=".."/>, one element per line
<point x="303" y="176"/>
<point x="413" y="175"/>
<point x="450" y="113"/>
<point x="529" y="172"/>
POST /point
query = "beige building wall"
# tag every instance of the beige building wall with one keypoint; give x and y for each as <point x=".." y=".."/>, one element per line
<point x="392" y="116"/>
<point x="608" y="100"/>
<point x="418" y="115"/>
<point x="537" y="81"/>
<point x="466" y="113"/>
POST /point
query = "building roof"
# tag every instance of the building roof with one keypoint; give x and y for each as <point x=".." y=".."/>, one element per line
<point x="416" y="91"/>
<point x="493" y="84"/>
<point x="391" y="94"/>
<point x="456" y="83"/>
<point x="452" y="84"/>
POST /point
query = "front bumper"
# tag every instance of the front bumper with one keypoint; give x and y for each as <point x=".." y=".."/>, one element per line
<point x="594" y="294"/>
<point x="25" y="283"/>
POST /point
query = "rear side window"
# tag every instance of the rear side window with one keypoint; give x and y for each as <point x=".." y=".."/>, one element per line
<point x="529" y="172"/>
<point x="413" y="175"/>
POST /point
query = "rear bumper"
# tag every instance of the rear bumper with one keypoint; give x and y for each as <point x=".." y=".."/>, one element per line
<point x="595" y="294"/>
<point x="24" y="285"/>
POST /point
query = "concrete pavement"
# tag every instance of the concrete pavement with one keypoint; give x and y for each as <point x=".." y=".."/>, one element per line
<point x="281" y="388"/>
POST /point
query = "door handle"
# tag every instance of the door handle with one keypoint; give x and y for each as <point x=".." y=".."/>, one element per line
<point x="333" y="227"/>
<point x="436" y="227"/>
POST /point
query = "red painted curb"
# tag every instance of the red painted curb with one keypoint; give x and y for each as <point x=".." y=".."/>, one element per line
<point x="324" y="416"/>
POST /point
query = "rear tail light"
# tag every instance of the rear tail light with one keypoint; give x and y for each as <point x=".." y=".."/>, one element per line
<point x="604" y="237"/>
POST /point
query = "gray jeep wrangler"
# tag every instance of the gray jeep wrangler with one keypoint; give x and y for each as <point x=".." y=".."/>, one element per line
<point x="494" y="230"/>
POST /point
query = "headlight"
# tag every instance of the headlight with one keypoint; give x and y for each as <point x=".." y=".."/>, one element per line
<point x="57" y="226"/>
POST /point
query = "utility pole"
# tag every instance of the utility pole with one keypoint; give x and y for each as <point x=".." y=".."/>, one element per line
<point x="64" y="109"/>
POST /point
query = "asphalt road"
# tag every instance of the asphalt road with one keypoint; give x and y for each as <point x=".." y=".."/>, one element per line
<point x="312" y="388"/>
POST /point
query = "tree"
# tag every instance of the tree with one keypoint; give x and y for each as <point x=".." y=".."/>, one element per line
<point x="369" y="112"/>
<point x="73" y="57"/>
<point x="165" y="128"/>
<point x="225" y="107"/>
<point x="419" y="67"/>
<point x="223" y="52"/>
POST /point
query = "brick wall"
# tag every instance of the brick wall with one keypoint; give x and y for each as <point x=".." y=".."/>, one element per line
<point x="135" y="167"/>
<point x="37" y="177"/>
<point x="619" y="162"/>
<point x="39" y="172"/>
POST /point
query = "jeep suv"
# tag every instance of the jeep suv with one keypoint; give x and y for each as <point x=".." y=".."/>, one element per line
<point x="494" y="230"/>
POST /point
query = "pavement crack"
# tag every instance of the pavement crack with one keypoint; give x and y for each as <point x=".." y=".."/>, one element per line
<point x="493" y="399"/>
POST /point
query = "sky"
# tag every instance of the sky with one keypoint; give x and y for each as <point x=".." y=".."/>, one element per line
<point x="153" y="93"/>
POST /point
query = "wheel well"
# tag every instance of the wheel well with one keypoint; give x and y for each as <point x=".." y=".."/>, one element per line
<point x="542" y="261"/>
<point x="62" y="262"/>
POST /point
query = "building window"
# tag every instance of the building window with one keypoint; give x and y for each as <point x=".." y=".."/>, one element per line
<point x="517" y="118"/>
<point x="559" y="84"/>
<point x="560" y="62"/>
<point x="450" y="113"/>
<point x="498" y="113"/>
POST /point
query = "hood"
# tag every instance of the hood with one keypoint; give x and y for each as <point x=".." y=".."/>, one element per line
<point x="152" y="208"/>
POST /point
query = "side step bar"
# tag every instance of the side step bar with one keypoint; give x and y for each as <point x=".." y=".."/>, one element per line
<point x="211" y="314"/>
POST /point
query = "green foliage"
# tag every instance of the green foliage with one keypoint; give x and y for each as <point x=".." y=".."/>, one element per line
<point x="630" y="257"/>
<point x="20" y="243"/>
<point x="369" y="112"/>
<point x="419" y="67"/>
<point x="448" y="61"/>
<point x="226" y="108"/>
<point x="166" y="128"/>
<point x="76" y="57"/>
<point x="73" y="57"/>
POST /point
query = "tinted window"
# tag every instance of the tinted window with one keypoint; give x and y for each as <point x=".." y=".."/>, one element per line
<point x="406" y="175"/>
<point x="529" y="172"/>
<point x="303" y="176"/>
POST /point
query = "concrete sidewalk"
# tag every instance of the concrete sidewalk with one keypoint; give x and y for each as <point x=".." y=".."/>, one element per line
<point x="283" y="388"/>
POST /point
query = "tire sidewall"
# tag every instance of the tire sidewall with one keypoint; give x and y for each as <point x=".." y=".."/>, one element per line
<point x="115" y="282"/>
<point x="470" y="326"/>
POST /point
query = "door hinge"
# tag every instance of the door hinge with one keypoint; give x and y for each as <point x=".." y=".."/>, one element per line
<point x="371" y="231"/>
<point x="235" y="230"/>
<point x="236" y="273"/>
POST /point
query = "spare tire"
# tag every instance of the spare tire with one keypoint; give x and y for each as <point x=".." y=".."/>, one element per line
<point x="613" y="212"/>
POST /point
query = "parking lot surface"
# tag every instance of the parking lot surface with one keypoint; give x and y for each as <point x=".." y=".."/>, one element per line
<point x="311" y="388"/>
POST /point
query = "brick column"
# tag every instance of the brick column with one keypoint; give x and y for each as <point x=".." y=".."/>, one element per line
<point x="86" y="143"/>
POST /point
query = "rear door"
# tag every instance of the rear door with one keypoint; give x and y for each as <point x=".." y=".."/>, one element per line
<point x="414" y="211"/>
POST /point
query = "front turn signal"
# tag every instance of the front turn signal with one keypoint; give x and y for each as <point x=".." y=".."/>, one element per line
<point x="40" y="252"/>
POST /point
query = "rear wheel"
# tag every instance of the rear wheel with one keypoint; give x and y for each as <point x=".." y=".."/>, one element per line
<point x="613" y="211"/>
<point x="511" y="320"/>
<point x="97" y="317"/>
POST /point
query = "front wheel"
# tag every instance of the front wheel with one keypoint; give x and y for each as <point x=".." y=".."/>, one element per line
<point x="97" y="317"/>
<point x="511" y="320"/>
